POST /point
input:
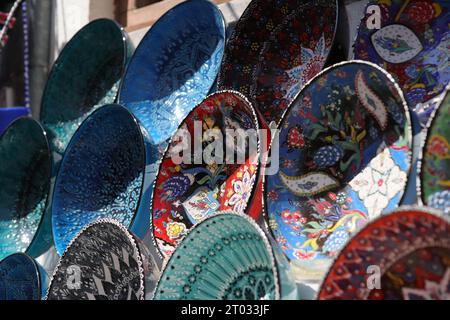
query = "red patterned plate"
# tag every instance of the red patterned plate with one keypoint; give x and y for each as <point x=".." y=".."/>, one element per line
<point x="401" y="256"/>
<point x="190" y="185"/>
<point x="276" y="48"/>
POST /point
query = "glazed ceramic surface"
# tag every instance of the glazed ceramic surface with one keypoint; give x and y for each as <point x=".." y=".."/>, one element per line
<point x="86" y="75"/>
<point x="407" y="251"/>
<point x="412" y="44"/>
<point x="104" y="175"/>
<point x="25" y="169"/>
<point x="190" y="189"/>
<point x="276" y="48"/>
<point x="225" y="257"/>
<point x="103" y="262"/>
<point x="174" y="67"/>
<point x="19" y="278"/>
<point x="435" y="165"/>
<point x="344" y="148"/>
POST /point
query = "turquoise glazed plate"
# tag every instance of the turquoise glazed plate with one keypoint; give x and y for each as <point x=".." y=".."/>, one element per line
<point x="412" y="43"/>
<point x="434" y="177"/>
<point x="86" y="75"/>
<point x="21" y="278"/>
<point x="225" y="257"/>
<point x="400" y="256"/>
<point x="103" y="262"/>
<point x="174" y="67"/>
<point x="105" y="173"/>
<point x="345" y="154"/>
<point x="25" y="171"/>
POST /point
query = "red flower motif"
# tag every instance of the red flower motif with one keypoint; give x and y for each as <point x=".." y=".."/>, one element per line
<point x="295" y="138"/>
<point x="438" y="147"/>
<point x="304" y="255"/>
<point x="421" y="11"/>
<point x="273" y="195"/>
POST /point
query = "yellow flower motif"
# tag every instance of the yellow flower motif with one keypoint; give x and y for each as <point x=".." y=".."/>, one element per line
<point x="175" y="229"/>
<point x="273" y="224"/>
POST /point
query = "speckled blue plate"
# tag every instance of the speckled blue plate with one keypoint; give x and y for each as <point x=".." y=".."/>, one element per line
<point x="345" y="155"/>
<point x="105" y="173"/>
<point x="21" y="278"/>
<point x="85" y="76"/>
<point x="25" y="170"/>
<point x="174" y="67"/>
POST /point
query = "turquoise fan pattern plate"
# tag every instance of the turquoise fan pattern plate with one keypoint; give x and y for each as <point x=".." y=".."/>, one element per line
<point x="25" y="170"/>
<point x="345" y="154"/>
<point x="85" y="76"/>
<point x="225" y="257"/>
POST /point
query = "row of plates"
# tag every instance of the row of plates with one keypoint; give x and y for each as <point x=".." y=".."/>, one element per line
<point x="344" y="154"/>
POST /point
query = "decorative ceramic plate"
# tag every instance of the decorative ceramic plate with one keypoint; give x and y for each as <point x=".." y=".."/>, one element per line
<point x="174" y="67"/>
<point x="345" y="154"/>
<point x="276" y="48"/>
<point x="191" y="185"/>
<point x="225" y="257"/>
<point x="19" y="278"/>
<point x="411" y="43"/>
<point x="435" y="166"/>
<point x="401" y="256"/>
<point x="25" y="169"/>
<point x="86" y="75"/>
<point x="103" y="262"/>
<point x="103" y="175"/>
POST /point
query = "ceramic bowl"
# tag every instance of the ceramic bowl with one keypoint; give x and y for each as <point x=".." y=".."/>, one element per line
<point x="21" y="278"/>
<point x="225" y="257"/>
<point x="190" y="184"/>
<point x="434" y="177"/>
<point x="411" y="43"/>
<point x="276" y="47"/>
<point x="25" y="170"/>
<point x="174" y="67"/>
<point x="401" y="256"/>
<point x="86" y="75"/>
<point x="345" y="155"/>
<point x="105" y="173"/>
<point x="103" y="262"/>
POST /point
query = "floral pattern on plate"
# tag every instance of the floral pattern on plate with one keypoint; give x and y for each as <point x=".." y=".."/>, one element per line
<point x="188" y="191"/>
<point x="412" y="45"/>
<point x="401" y="256"/>
<point x="276" y="48"/>
<point x="346" y="131"/>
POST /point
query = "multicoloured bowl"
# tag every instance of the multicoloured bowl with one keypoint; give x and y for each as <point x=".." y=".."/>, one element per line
<point x="276" y="47"/>
<point x="174" y="67"/>
<point x="411" y="42"/>
<point x="85" y="76"/>
<point x="103" y="262"/>
<point x="192" y="185"/>
<point x="107" y="172"/>
<point x="345" y="154"/>
<point x="434" y="176"/>
<point x="25" y="171"/>
<point x="400" y="256"/>
<point x="225" y="257"/>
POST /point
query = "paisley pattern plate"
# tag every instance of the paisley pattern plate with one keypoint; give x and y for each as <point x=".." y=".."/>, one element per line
<point x="435" y="164"/>
<point x="401" y="256"/>
<point x="85" y="76"/>
<point x="191" y="188"/>
<point x="225" y="257"/>
<point x="412" y="44"/>
<point x="103" y="262"/>
<point x="345" y="154"/>
<point x="101" y="176"/>
<point x="19" y="278"/>
<point x="25" y="169"/>
<point x="174" y="67"/>
<point x="276" y="48"/>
